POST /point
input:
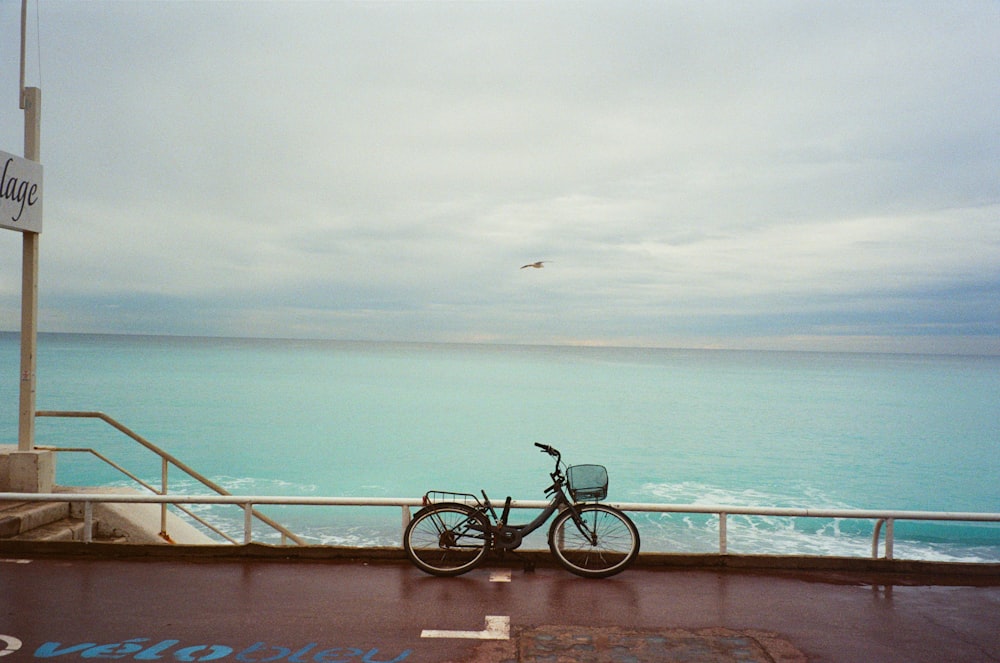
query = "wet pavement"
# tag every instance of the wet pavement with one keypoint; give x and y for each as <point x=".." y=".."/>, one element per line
<point x="337" y="612"/>
<point x="609" y="644"/>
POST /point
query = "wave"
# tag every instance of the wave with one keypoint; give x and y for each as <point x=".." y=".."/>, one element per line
<point x="780" y="535"/>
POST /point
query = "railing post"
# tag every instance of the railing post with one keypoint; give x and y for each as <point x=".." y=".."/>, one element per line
<point x="723" y="544"/>
<point x="406" y="520"/>
<point x="875" y="535"/>
<point x="88" y="521"/>
<point x="888" y="522"/>
<point x="163" y="491"/>
<point x="247" y="523"/>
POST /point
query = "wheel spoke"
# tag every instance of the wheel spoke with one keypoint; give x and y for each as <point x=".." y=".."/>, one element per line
<point x="602" y="543"/>
<point x="447" y="539"/>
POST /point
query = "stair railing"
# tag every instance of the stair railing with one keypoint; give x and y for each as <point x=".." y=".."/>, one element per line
<point x="166" y="460"/>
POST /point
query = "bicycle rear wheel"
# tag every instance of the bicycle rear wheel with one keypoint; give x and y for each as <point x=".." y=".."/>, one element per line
<point x="447" y="539"/>
<point x="605" y="543"/>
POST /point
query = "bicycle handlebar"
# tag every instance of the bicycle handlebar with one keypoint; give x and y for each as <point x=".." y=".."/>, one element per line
<point x="555" y="454"/>
<point x="547" y="449"/>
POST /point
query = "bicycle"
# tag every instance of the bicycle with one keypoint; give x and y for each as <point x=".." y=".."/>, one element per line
<point x="593" y="540"/>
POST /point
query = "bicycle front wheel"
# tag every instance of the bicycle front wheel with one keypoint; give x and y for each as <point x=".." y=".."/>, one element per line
<point x="602" y="543"/>
<point x="447" y="539"/>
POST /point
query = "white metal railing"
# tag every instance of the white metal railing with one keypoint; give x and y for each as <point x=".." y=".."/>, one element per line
<point x="166" y="461"/>
<point x="248" y="502"/>
<point x="886" y="518"/>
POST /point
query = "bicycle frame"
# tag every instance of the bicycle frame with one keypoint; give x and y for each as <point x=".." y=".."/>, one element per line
<point x="509" y="537"/>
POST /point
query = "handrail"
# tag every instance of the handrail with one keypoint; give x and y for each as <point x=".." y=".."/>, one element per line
<point x="881" y="517"/>
<point x="723" y="511"/>
<point x="147" y="486"/>
<point x="167" y="459"/>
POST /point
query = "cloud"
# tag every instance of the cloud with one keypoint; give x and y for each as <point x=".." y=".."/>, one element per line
<point x="745" y="175"/>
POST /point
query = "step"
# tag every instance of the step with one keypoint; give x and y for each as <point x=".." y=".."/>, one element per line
<point x="19" y="517"/>
<point x="67" y="529"/>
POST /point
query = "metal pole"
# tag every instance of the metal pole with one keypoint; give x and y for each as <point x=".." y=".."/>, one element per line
<point x="88" y="522"/>
<point x="723" y="543"/>
<point x="32" y="103"/>
<point x="24" y="30"/>
<point x="248" y="523"/>
<point x="406" y="519"/>
<point x="875" y="535"/>
<point x="163" y="491"/>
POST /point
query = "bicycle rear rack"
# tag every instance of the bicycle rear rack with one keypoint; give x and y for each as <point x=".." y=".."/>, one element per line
<point x="440" y="496"/>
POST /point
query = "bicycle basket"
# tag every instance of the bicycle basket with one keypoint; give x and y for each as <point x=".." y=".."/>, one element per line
<point x="587" y="483"/>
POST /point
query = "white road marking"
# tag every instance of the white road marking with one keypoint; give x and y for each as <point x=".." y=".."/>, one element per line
<point x="497" y="628"/>
<point x="503" y="575"/>
<point x="10" y="643"/>
<point x="16" y="561"/>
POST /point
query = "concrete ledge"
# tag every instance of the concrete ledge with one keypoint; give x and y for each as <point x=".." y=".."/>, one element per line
<point x="26" y="471"/>
<point x="848" y="570"/>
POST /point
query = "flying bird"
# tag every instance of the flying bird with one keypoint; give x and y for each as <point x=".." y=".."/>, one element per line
<point x="536" y="265"/>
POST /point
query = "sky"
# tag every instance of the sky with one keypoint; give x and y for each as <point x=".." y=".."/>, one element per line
<point x="764" y="174"/>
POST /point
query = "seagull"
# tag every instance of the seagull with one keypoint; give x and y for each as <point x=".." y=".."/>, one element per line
<point x="536" y="265"/>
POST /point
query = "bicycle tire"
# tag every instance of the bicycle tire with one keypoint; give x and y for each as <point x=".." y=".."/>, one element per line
<point x="447" y="539"/>
<point x="616" y="547"/>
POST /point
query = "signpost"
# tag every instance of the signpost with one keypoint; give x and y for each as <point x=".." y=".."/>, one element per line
<point x="31" y="100"/>
<point x="27" y="470"/>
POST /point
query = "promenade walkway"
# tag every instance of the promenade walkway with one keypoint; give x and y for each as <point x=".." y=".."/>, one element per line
<point x="76" y="608"/>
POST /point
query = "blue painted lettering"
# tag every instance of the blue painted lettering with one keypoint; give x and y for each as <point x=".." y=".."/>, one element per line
<point x="115" y="650"/>
<point x="50" y="649"/>
<point x="217" y="652"/>
<point x="153" y="653"/>
<point x="259" y="652"/>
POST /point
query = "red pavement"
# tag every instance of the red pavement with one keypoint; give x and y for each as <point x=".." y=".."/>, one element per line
<point x="325" y="612"/>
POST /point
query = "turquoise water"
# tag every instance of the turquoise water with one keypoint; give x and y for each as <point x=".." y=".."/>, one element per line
<point x="672" y="426"/>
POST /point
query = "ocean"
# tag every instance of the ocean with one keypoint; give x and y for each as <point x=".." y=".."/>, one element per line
<point x="338" y="418"/>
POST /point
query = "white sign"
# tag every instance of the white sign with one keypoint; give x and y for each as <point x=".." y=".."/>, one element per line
<point x="20" y="193"/>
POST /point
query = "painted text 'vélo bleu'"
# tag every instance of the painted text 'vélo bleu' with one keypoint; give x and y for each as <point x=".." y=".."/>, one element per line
<point x="143" y="649"/>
